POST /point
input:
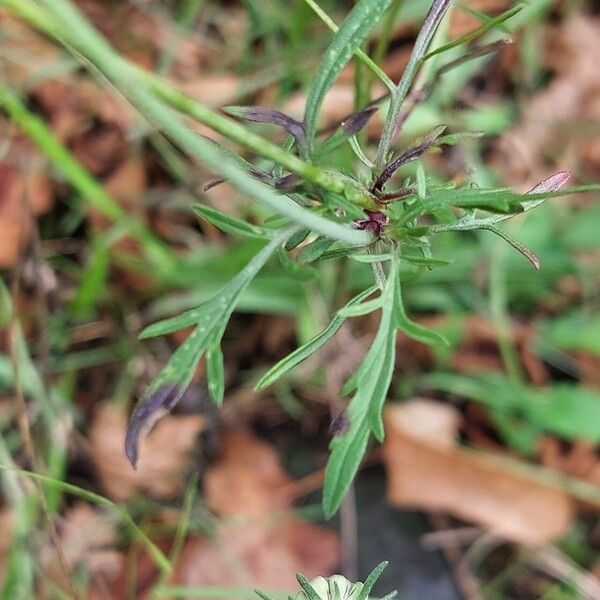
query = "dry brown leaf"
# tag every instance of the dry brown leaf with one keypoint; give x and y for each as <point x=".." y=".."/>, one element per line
<point x="162" y="464"/>
<point x="87" y="539"/>
<point x="428" y="470"/>
<point x="258" y="543"/>
<point x="25" y="191"/>
<point x="213" y="90"/>
<point x="547" y="136"/>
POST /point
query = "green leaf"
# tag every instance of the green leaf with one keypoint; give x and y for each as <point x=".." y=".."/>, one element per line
<point x="347" y="453"/>
<point x="382" y="386"/>
<point x="167" y="389"/>
<point x="203" y="315"/>
<point x="295" y="269"/>
<point x="308" y="589"/>
<point x="468" y="37"/>
<point x="364" y="308"/>
<point x="215" y="373"/>
<point x="315" y="249"/>
<point x="230" y="224"/>
<point x="303" y="352"/>
<point x="371" y="580"/>
<point x="373" y="382"/>
<point x="410" y="328"/>
<point x="346" y="41"/>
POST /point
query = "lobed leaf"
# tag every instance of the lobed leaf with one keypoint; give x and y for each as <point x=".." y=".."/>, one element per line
<point x="170" y="385"/>
<point x="373" y="381"/>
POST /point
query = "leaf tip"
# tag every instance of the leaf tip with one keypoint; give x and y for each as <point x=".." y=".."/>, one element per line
<point x="552" y="183"/>
<point x="145" y="416"/>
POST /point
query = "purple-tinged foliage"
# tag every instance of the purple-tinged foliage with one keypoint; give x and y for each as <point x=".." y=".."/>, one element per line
<point x="356" y="122"/>
<point x="375" y="222"/>
<point x="146" y="414"/>
<point x="552" y="183"/>
<point x="339" y="424"/>
<point x="289" y="182"/>
<point x="410" y="154"/>
<point x="262" y="114"/>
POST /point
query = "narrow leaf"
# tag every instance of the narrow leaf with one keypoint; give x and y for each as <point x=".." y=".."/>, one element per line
<point x="346" y="41"/>
<point x="315" y="249"/>
<point x="215" y="373"/>
<point x="411" y="153"/>
<point x="524" y="250"/>
<point x="348" y="129"/>
<point x="303" y="352"/>
<point x="168" y="388"/>
<point x="410" y="328"/>
<point x="309" y="590"/>
<point x="371" y="580"/>
<point x="347" y="452"/>
<point x="472" y="35"/>
<point x="364" y="308"/>
<point x="382" y="386"/>
<point x="230" y="224"/>
<point x="260" y="114"/>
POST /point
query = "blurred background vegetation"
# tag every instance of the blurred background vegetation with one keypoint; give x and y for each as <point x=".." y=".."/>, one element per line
<point x="491" y="463"/>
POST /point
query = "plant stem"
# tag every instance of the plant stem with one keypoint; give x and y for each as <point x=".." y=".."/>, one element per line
<point x="48" y="21"/>
<point x="63" y="21"/>
<point x="432" y="20"/>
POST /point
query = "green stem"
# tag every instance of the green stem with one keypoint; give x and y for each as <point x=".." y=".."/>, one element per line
<point x="432" y="21"/>
<point x="62" y="20"/>
<point x="85" y="39"/>
<point x="500" y="317"/>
